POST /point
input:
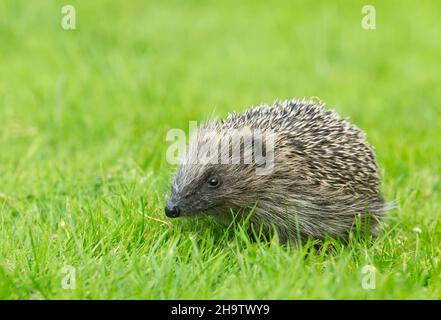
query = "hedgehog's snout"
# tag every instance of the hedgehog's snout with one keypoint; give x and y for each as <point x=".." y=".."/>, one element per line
<point x="171" y="210"/>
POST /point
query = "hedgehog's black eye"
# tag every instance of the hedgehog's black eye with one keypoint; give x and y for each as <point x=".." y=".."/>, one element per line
<point x="214" y="182"/>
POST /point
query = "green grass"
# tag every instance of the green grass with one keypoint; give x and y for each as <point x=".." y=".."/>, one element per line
<point x="83" y="118"/>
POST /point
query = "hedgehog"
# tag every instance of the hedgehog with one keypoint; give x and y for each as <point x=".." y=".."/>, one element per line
<point x="293" y="167"/>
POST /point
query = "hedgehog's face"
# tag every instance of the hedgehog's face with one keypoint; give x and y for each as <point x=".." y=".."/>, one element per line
<point x="203" y="184"/>
<point x="209" y="189"/>
<point x="200" y="189"/>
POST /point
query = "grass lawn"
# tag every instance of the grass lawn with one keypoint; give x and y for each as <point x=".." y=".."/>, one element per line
<point x="83" y="118"/>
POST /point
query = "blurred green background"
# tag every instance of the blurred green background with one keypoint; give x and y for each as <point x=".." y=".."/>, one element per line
<point x="83" y="117"/>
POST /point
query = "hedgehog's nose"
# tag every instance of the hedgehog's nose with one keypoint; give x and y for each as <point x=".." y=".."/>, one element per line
<point x="171" y="210"/>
